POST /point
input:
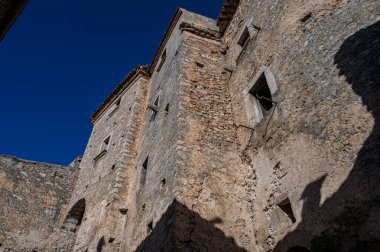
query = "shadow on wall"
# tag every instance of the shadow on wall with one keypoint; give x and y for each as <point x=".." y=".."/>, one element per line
<point x="353" y="212"/>
<point x="181" y="229"/>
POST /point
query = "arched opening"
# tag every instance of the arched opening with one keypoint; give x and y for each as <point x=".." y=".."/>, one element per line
<point x="298" y="249"/>
<point x="75" y="216"/>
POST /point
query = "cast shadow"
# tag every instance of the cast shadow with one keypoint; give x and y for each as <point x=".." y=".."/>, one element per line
<point x="181" y="229"/>
<point x="351" y="216"/>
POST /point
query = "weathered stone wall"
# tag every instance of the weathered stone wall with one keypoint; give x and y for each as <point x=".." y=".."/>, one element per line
<point x="209" y="180"/>
<point x="154" y="195"/>
<point x="103" y="182"/>
<point x="219" y="168"/>
<point x="318" y="144"/>
<point x="33" y="197"/>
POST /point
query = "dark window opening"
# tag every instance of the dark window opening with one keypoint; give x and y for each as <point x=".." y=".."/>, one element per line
<point x="286" y="207"/>
<point x="262" y="93"/>
<point x="244" y="37"/>
<point x="162" y="61"/>
<point x="163" y="182"/>
<point x="103" y="149"/>
<point x="145" y="164"/>
<point x="144" y="172"/>
<point x="111" y="240"/>
<point x="200" y="64"/>
<point x="150" y="227"/>
<point x="100" y="245"/>
<point x="155" y="109"/>
<point x="167" y="109"/>
<point x="115" y="106"/>
<point x="123" y="210"/>
<point x="113" y="167"/>
<point x="117" y="103"/>
<point x="143" y="207"/>
<point x="75" y="216"/>
<point x="298" y="249"/>
<point x="305" y="18"/>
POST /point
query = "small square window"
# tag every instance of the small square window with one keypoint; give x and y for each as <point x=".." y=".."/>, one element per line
<point x="145" y="164"/>
<point x="262" y="94"/>
<point x="106" y="143"/>
<point x="103" y="149"/>
<point x="143" y="172"/>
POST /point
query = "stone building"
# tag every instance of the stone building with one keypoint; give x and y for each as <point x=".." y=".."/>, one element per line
<point x="9" y="11"/>
<point x="258" y="131"/>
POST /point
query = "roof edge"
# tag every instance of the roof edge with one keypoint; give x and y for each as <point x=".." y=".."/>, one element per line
<point x="168" y="33"/>
<point x="128" y="80"/>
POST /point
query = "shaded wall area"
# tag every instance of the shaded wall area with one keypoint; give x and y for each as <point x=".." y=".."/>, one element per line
<point x="33" y="196"/>
<point x="179" y="222"/>
<point x="356" y="226"/>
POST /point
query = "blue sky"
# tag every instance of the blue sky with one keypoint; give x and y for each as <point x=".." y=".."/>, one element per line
<point x="62" y="58"/>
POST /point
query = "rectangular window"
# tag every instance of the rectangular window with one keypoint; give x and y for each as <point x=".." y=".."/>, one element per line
<point x="262" y="94"/>
<point x="162" y="60"/>
<point x="244" y="37"/>
<point x="103" y="148"/>
<point x="115" y="107"/>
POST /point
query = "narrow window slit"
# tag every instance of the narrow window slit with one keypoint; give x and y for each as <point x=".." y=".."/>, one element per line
<point x="150" y="227"/>
<point x="286" y="207"/>
<point x="143" y="172"/>
<point x="305" y="18"/>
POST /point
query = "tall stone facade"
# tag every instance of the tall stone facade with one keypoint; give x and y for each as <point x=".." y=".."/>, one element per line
<point x="255" y="132"/>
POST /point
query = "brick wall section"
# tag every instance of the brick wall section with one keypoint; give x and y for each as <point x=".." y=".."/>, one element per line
<point x="33" y="197"/>
<point x="211" y="179"/>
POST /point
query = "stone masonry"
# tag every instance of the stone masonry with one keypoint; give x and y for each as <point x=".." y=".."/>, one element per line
<point x="258" y="131"/>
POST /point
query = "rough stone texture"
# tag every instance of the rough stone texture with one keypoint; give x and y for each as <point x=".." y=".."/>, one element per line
<point x="183" y="157"/>
<point x="318" y="145"/>
<point x="33" y="197"/>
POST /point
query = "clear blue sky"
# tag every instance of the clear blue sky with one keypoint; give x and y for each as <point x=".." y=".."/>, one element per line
<point x="63" y="57"/>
